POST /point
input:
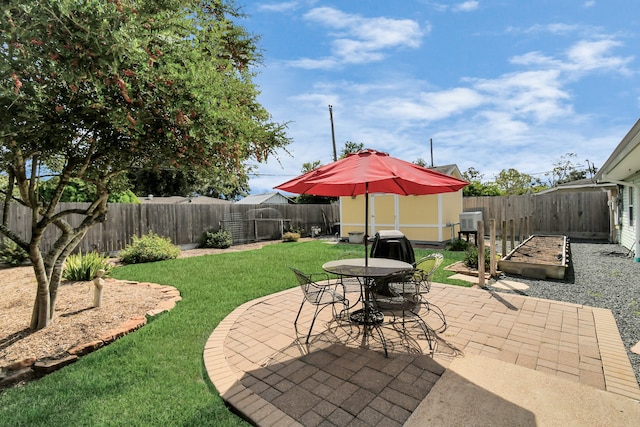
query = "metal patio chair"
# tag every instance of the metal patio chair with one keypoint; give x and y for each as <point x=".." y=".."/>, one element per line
<point x="320" y="294"/>
<point x="422" y="275"/>
<point x="419" y="285"/>
<point x="351" y="284"/>
<point x="403" y="303"/>
<point x="425" y="267"/>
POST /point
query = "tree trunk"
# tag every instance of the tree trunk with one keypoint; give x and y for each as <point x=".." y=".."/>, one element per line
<point x="56" y="277"/>
<point x="42" y="308"/>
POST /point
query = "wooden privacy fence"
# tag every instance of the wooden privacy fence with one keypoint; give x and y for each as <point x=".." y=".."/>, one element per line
<point x="582" y="215"/>
<point x="182" y="223"/>
<point x="577" y="215"/>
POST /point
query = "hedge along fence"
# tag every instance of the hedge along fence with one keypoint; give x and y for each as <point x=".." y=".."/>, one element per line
<point x="182" y="223"/>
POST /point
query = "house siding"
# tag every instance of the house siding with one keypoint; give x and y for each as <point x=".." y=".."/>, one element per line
<point x="421" y="218"/>
<point x="629" y="224"/>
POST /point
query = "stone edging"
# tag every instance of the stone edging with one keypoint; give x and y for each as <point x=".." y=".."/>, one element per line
<point x="31" y="368"/>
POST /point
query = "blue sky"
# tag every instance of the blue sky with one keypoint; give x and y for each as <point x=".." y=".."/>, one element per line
<point x="496" y="84"/>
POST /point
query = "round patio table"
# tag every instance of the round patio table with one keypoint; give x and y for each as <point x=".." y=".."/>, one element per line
<point x="366" y="271"/>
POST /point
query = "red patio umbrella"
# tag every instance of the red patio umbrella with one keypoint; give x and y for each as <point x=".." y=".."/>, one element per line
<point x="371" y="171"/>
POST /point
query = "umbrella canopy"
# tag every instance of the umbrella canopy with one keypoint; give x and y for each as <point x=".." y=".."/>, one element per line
<point x="371" y="171"/>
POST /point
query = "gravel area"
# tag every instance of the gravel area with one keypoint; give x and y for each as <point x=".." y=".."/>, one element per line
<point x="600" y="275"/>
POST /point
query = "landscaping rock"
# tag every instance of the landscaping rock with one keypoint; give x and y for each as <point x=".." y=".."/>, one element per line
<point x="8" y="378"/>
<point x="86" y="348"/>
<point x="21" y="364"/>
<point x="46" y="366"/>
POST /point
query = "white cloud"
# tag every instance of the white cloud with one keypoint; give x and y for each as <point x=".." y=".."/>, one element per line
<point x="589" y="55"/>
<point x="316" y="100"/>
<point x="536" y="95"/>
<point x="357" y="39"/>
<point x="278" y="7"/>
<point x="582" y="56"/>
<point x="314" y="64"/>
<point x="535" y="58"/>
<point x="589" y="3"/>
<point x="557" y="28"/>
<point x="467" y="6"/>
<point x="425" y="106"/>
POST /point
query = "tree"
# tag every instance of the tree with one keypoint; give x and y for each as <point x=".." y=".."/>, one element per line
<point x="476" y="187"/>
<point x="350" y="147"/>
<point x="512" y="182"/>
<point x="79" y="191"/>
<point x="421" y="162"/>
<point x="172" y="182"/>
<point x="97" y="88"/>
<point x="311" y="166"/>
<point x="565" y="170"/>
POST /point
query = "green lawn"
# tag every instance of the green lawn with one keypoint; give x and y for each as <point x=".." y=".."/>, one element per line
<point x="155" y="376"/>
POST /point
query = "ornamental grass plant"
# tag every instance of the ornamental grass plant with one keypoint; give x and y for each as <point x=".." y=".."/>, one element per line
<point x="79" y="267"/>
<point x="156" y="376"/>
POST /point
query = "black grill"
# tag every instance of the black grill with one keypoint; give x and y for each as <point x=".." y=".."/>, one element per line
<point x="392" y="244"/>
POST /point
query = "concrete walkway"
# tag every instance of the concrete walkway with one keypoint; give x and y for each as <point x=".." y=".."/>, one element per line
<point x="503" y="360"/>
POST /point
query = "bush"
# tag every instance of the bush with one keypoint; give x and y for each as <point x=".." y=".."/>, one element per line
<point x="85" y="267"/>
<point x="149" y="248"/>
<point x="216" y="239"/>
<point x="11" y="253"/>
<point x="290" y="236"/>
<point x="471" y="258"/>
<point x="457" y="245"/>
<point x="295" y="230"/>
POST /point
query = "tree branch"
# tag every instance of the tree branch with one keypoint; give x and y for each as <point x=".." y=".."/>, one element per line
<point x="13" y="236"/>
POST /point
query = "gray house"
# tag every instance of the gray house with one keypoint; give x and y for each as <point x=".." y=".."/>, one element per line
<point x="623" y="168"/>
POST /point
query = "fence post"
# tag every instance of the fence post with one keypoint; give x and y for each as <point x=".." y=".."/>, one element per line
<point x="530" y="226"/>
<point x="504" y="237"/>
<point x="492" y="247"/>
<point x="480" y="245"/>
<point x="512" y="233"/>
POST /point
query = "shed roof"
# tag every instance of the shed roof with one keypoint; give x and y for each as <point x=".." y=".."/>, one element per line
<point x="586" y="184"/>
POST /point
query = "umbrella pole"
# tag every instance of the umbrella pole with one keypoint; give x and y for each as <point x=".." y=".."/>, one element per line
<point x="366" y="224"/>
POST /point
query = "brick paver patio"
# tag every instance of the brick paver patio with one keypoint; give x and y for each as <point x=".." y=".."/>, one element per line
<point x="269" y="376"/>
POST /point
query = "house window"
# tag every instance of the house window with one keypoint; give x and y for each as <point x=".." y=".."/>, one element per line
<point x="630" y="205"/>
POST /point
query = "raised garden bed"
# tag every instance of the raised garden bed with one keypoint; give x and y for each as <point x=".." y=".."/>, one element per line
<point x="538" y="257"/>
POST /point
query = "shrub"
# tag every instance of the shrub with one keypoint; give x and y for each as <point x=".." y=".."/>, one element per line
<point x="290" y="236"/>
<point x="149" y="248"/>
<point x="85" y="267"/>
<point x="471" y="258"/>
<point x="457" y="245"/>
<point x="11" y="253"/>
<point x="216" y="239"/>
<point x="294" y="229"/>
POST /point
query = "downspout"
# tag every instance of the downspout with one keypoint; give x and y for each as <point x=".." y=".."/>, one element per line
<point x="636" y="187"/>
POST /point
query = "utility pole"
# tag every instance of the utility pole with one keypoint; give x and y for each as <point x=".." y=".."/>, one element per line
<point x="431" y="144"/>
<point x="333" y="136"/>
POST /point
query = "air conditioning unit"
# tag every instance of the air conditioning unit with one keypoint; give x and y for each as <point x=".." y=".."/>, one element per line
<point x="469" y="221"/>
